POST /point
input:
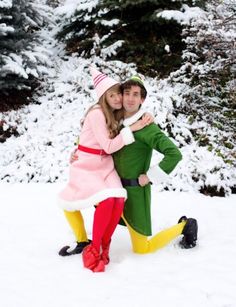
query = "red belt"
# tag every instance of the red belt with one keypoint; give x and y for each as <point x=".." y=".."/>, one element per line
<point x="100" y="152"/>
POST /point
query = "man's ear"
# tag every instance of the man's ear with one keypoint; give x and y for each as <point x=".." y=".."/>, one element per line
<point x="142" y="101"/>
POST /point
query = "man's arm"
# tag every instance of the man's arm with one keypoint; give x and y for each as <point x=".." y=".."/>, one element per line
<point x="157" y="140"/>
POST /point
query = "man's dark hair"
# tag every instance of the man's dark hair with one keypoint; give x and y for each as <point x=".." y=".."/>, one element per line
<point x="129" y="83"/>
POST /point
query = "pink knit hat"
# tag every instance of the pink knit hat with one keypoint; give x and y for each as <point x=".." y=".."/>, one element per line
<point x="101" y="81"/>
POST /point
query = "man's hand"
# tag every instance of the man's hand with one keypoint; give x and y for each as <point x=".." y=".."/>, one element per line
<point x="143" y="180"/>
<point x="73" y="156"/>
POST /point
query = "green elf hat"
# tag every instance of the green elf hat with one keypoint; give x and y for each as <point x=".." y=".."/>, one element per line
<point x="137" y="79"/>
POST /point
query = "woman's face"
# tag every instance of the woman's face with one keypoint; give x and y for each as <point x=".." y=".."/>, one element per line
<point x="114" y="97"/>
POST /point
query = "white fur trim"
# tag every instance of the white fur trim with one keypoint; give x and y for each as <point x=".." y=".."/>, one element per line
<point x="132" y="119"/>
<point x="157" y="175"/>
<point x="127" y="135"/>
<point x="92" y="200"/>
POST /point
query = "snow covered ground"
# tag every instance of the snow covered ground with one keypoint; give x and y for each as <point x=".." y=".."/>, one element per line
<point x="32" y="229"/>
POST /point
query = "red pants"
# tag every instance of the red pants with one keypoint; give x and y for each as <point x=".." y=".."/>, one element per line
<point x="106" y="218"/>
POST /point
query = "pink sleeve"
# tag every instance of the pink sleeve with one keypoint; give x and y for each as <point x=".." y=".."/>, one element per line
<point x="98" y="125"/>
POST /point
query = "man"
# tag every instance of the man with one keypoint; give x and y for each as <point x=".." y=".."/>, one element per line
<point x="132" y="163"/>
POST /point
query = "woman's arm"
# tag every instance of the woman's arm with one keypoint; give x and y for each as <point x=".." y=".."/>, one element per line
<point x="97" y="123"/>
<point x="146" y="120"/>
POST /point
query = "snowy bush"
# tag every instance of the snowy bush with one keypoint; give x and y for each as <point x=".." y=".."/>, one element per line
<point x="208" y="100"/>
<point x="48" y="130"/>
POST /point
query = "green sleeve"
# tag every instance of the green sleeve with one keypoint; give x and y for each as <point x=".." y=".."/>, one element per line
<point x="157" y="140"/>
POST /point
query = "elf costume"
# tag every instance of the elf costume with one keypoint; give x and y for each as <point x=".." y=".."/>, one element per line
<point x="92" y="177"/>
<point x="93" y="180"/>
<point x="132" y="161"/>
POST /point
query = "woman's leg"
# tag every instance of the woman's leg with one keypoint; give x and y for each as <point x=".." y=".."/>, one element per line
<point x="106" y="241"/>
<point x="91" y="254"/>
<point x="76" y="222"/>
<point x="142" y="245"/>
<point x="116" y="214"/>
<point x="102" y="218"/>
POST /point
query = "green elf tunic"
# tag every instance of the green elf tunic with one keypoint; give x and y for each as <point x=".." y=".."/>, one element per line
<point x="133" y="160"/>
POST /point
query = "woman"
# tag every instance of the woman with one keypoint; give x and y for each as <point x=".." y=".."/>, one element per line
<point x="93" y="178"/>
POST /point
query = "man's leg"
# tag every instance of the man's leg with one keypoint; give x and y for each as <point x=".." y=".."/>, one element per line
<point x="76" y="222"/>
<point x="142" y="245"/>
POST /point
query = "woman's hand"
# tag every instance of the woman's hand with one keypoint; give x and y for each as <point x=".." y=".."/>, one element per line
<point x="146" y="120"/>
<point x="73" y="156"/>
<point x="148" y="117"/>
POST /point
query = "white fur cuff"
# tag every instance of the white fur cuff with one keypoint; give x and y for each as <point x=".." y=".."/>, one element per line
<point x="74" y="205"/>
<point x="127" y="135"/>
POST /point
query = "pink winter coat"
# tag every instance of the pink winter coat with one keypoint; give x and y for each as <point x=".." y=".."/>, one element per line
<point x="93" y="178"/>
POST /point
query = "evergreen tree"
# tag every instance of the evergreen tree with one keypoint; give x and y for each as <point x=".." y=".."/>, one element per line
<point x="129" y="31"/>
<point x="21" y="56"/>
<point x="211" y="56"/>
<point x="211" y="65"/>
<point x="209" y="73"/>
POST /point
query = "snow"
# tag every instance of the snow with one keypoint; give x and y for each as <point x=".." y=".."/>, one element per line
<point x="14" y="65"/>
<point x="5" y="3"/>
<point x="29" y="58"/>
<point x="40" y="153"/>
<point x="167" y="48"/>
<point x="4" y="29"/>
<point x="110" y="22"/>
<point x="33" y="229"/>
<point x="185" y="16"/>
<point x="111" y="50"/>
<point x="70" y="6"/>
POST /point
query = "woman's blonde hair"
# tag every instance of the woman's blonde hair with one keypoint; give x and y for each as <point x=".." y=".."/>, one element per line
<point x="112" y="117"/>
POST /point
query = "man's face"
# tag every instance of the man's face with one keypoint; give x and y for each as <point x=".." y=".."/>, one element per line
<point x="132" y="99"/>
